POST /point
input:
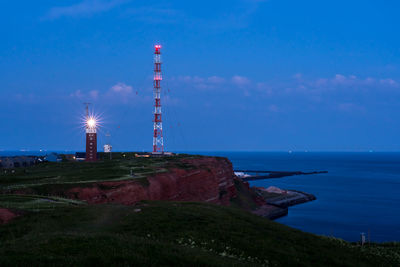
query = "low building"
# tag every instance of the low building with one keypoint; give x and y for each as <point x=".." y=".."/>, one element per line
<point x="81" y="156"/>
<point x="142" y="155"/>
<point x="69" y="157"/>
<point x="107" y="148"/>
<point x="53" y="157"/>
<point x="17" y="162"/>
<point x="6" y="163"/>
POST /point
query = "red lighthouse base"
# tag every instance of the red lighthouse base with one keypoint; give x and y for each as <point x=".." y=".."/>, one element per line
<point x="91" y="147"/>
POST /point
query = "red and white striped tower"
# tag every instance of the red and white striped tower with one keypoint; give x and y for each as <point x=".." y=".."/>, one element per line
<point x="158" y="142"/>
<point x="91" y="136"/>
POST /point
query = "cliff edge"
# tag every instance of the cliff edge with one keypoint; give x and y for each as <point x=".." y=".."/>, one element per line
<point x="129" y="180"/>
<point x="204" y="179"/>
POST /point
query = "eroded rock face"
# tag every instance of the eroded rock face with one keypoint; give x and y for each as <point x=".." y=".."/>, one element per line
<point x="6" y="215"/>
<point x="206" y="179"/>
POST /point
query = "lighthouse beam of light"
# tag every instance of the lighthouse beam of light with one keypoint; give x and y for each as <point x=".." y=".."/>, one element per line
<point x="93" y="121"/>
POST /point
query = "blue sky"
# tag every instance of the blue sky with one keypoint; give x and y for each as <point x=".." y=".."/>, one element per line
<point x="238" y="75"/>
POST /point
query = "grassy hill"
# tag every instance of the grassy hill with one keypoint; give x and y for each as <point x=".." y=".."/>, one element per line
<point x="172" y="234"/>
<point x="57" y="231"/>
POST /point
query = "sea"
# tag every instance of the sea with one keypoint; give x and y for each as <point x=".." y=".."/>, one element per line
<point x="360" y="194"/>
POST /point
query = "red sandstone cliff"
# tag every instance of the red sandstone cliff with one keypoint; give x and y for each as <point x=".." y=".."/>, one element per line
<point x="6" y="215"/>
<point x="206" y="179"/>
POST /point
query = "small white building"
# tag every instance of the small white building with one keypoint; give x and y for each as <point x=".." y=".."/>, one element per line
<point x="107" y="148"/>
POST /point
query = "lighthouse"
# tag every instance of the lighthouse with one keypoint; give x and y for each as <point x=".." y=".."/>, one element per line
<point x="91" y="137"/>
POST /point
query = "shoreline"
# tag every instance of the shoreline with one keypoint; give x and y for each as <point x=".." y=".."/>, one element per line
<point x="278" y="201"/>
<point x="272" y="174"/>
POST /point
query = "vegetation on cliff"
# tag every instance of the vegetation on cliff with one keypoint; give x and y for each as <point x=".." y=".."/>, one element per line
<point x="124" y="166"/>
<point x="127" y="179"/>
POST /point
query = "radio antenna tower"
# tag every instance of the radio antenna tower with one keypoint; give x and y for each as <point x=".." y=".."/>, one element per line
<point x="87" y="109"/>
<point x="158" y="142"/>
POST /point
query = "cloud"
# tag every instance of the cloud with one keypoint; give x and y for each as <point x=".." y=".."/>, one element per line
<point x="121" y="88"/>
<point x="240" y="80"/>
<point x="370" y="80"/>
<point x="211" y="82"/>
<point x="241" y="84"/>
<point x="94" y="94"/>
<point x="389" y="82"/>
<point x="155" y="15"/>
<point x="118" y="93"/>
<point x="236" y="15"/>
<point x="77" y="94"/>
<point x="216" y="83"/>
<point x="265" y="88"/>
<point x="295" y="85"/>
<point x="215" y="80"/>
<point x="339" y="93"/>
<point x="350" y="107"/>
<point x="340" y="80"/>
<point x="321" y="82"/>
<point x="273" y="108"/>
<point x="298" y="76"/>
<point x="84" y="8"/>
<point x="25" y="97"/>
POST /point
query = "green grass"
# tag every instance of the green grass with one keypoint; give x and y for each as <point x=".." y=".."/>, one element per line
<point x="35" y="203"/>
<point x="47" y="177"/>
<point x="173" y="234"/>
<point x="245" y="197"/>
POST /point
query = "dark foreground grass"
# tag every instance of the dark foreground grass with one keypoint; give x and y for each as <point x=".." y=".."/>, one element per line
<point x="173" y="234"/>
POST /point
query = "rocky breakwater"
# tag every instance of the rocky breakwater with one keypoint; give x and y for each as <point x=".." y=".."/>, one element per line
<point x="283" y="198"/>
<point x="277" y="201"/>
<point x="206" y="179"/>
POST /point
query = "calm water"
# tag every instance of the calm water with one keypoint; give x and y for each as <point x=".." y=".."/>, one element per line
<point x="31" y="153"/>
<point x="360" y="193"/>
